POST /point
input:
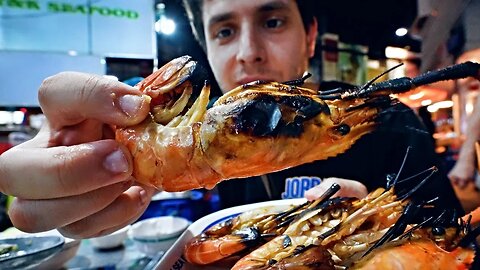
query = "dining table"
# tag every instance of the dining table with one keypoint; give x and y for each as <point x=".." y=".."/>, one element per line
<point x="125" y="256"/>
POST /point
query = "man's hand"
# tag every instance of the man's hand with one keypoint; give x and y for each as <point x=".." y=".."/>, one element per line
<point x="462" y="173"/>
<point x="73" y="175"/>
<point x="349" y="188"/>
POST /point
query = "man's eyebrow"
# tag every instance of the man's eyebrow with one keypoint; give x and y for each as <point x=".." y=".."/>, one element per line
<point x="268" y="7"/>
<point x="272" y="6"/>
<point x="219" y="18"/>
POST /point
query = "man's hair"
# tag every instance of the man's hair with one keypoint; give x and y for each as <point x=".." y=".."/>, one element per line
<point x="193" y="9"/>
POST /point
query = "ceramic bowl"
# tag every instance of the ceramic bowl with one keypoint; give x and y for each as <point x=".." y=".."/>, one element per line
<point x="29" y="251"/>
<point x="58" y="260"/>
<point x="111" y="240"/>
<point x="154" y="235"/>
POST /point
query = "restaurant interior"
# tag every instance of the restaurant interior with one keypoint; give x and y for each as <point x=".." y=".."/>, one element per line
<point x="357" y="41"/>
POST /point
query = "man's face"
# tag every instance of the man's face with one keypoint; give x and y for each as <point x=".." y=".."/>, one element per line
<point x="256" y="40"/>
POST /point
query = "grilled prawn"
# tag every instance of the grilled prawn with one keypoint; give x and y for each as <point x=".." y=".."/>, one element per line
<point x="433" y="246"/>
<point x="342" y="229"/>
<point x="388" y="229"/>
<point x="247" y="231"/>
<point x="384" y="230"/>
<point x="254" y="129"/>
<point x="417" y="254"/>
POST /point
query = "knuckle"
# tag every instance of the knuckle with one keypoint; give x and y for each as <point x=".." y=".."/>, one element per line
<point x="61" y="171"/>
<point x="86" y="91"/>
<point x="61" y="168"/>
<point x="93" y="84"/>
<point x="65" y="169"/>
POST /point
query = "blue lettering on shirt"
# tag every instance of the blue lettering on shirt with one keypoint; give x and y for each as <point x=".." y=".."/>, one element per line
<point x="296" y="186"/>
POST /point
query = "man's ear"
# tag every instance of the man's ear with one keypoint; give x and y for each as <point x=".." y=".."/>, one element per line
<point x="312" y="37"/>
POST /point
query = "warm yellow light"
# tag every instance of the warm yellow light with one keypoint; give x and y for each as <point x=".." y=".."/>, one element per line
<point x="416" y="96"/>
<point x="396" y="53"/>
<point x="426" y="102"/>
<point x="432" y="108"/>
<point x="440" y="105"/>
<point x="444" y="104"/>
<point x="374" y="64"/>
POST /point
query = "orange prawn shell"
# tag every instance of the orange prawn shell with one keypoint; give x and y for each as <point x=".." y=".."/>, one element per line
<point x="418" y="254"/>
<point x="169" y="159"/>
<point x="206" y="252"/>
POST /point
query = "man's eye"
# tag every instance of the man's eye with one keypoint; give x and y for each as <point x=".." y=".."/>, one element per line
<point x="224" y="33"/>
<point x="273" y="23"/>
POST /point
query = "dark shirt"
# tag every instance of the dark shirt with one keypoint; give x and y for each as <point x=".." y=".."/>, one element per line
<point x="369" y="160"/>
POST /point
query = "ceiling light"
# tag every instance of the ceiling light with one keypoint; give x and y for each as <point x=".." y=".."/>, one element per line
<point x="401" y="32"/>
<point x="165" y="26"/>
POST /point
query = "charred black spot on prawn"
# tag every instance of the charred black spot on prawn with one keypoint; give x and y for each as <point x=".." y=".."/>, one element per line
<point x="278" y="116"/>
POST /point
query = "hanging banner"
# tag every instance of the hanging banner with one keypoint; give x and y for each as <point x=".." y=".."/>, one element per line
<point x="115" y="28"/>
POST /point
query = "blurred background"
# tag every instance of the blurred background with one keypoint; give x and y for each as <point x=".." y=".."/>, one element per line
<point x="127" y="40"/>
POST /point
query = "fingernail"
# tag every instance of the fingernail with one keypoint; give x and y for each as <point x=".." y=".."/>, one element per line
<point x="143" y="197"/>
<point x="130" y="104"/>
<point x="116" y="162"/>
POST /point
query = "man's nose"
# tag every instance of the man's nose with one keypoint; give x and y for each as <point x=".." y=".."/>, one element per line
<point x="251" y="47"/>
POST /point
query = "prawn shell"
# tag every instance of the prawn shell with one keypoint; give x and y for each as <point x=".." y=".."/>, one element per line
<point x="201" y="252"/>
<point x="167" y="158"/>
<point x="419" y="254"/>
<point x="236" y="150"/>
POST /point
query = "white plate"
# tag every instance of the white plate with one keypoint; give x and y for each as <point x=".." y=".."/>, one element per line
<point x="173" y="258"/>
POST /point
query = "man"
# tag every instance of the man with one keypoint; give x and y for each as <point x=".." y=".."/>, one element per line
<point x="72" y="176"/>
<point x="247" y="41"/>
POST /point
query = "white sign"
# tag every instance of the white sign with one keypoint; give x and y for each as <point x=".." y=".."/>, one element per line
<point x="115" y="28"/>
<point x="22" y="73"/>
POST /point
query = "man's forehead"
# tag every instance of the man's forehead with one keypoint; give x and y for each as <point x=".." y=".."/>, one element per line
<point x="214" y="9"/>
<point x="472" y="55"/>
